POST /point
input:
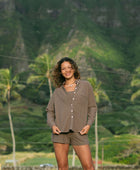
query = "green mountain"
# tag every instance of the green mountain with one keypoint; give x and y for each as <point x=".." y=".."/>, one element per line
<point x="101" y="35"/>
<point x="108" y="31"/>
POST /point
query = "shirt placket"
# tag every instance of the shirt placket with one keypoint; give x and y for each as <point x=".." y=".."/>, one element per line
<point x="72" y="108"/>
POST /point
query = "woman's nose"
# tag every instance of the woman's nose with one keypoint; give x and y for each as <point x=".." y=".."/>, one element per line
<point x="68" y="69"/>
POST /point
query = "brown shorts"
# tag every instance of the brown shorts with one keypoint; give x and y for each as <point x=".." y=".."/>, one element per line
<point x="73" y="138"/>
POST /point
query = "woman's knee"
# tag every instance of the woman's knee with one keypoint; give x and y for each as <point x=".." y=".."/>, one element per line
<point x="63" y="167"/>
<point x="88" y="166"/>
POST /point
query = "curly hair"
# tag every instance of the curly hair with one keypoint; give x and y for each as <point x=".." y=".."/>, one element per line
<point x="56" y="74"/>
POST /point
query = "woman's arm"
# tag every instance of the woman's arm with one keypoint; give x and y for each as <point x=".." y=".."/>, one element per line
<point x="51" y="112"/>
<point x="92" y="107"/>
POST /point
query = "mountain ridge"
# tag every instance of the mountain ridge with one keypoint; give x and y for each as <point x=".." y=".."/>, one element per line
<point x="49" y="23"/>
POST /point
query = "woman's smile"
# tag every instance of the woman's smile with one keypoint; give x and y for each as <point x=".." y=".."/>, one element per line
<point x="67" y="70"/>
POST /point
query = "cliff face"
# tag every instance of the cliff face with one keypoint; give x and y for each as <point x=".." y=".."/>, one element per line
<point x="19" y="52"/>
<point x="12" y="49"/>
<point x="7" y="6"/>
<point x="32" y="27"/>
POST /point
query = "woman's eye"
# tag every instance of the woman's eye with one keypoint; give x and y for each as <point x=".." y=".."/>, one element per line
<point x="66" y="68"/>
<point x="62" y="68"/>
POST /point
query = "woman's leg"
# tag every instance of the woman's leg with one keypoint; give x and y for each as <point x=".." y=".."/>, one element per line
<point x="61" y="153"/>
<point x="84" y="154"/>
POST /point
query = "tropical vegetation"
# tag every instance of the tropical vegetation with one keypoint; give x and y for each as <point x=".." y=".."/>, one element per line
<point x="9" y="87"/>
<point x="103" y="38"/>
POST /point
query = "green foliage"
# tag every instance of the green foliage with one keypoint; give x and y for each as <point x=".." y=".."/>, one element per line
<point x="136" y="83"/>
<point x="50" y="159"/>
<point x="9" y="83"/>
<point x="120" y="149"/>
<point x="27" y="120"/>
<point x="41" y="71"/>
<point x="8" y="35"/>
<point x="102" y="133"/>
<point x="39" y="160"/>
<point x="32" y="134"/>
<point x="98" y="91"/>
<point x="5" y="142"/>
<point x="78" y="29"/>
<point x="44" y="142"/>
<point x="39" y="96"/>
<point x="123" y="122"/>
<point x="131" y="159"/>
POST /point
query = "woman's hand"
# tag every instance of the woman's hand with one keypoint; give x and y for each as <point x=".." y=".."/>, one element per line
<point x="85" y="130"/>
<point x="56" y="130"/>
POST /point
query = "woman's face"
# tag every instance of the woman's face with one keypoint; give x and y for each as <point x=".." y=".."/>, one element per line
<point x="67" y="70"/>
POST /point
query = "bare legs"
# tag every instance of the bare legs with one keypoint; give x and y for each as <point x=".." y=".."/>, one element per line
<point x="83" y="152"/>
<point x="61" y="153"/>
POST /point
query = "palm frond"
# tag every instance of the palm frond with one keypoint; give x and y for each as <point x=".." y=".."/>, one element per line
<point x="42" y="82"/>
<point x="20" y="86"/>
<point x="41" y="64"/>
<point x="98" y="91"/>
<point x="16" y="79"/>
<point x="4" y="72"/>
<point x="2" y="86"/>
<point x="135" y="95"/>
<point x="138" y="70"/>
<point x="93" y="82"/>
<point x="97" y="98"/>
<point x="1" y="105"/>
<point x="104" y="95"/>
<point x="41" y="71"/>
<point x="4" y="76"/>
<point x="33" y="67"/>
<point x="15" y="95"/>
<point x="135" y="82"/>
<point x="33" y="78"/>
<point x="4" y="94"/>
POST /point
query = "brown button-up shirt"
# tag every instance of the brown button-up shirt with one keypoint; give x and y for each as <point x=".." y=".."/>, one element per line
<point x="72" y="110"/>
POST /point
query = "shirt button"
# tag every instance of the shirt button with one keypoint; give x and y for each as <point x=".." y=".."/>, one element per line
<point x="73" y="98"/>
<point x="71" y="116"/>
<point x="71" y="110"/>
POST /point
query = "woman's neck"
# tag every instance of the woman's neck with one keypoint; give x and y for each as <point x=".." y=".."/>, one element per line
<point x="70" y="81"/>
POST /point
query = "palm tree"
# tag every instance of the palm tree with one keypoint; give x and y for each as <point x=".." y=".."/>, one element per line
<point x="41" y="69"/>
<point x="98" y="92"/>
<point x="136" y="83"/>
<point x="8" y="87"/>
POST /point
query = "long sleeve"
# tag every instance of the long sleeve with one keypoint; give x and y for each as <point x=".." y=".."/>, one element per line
<point x="51" y="112"/>
<point x="61" y="107"/>
<point x="92" y="107"/>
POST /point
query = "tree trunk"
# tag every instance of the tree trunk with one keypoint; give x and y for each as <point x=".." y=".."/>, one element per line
<point x="102" y="155"/>
<point x="50" y="86"/>
<point x="73" y="158"/>
<point x="12" y="130"/>
<point x="96" y="142"/>
<point x="48" y="75"/>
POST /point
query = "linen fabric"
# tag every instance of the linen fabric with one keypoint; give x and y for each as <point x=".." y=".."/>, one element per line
<point x="72" y="110"/>
<point x="72" y="138"/>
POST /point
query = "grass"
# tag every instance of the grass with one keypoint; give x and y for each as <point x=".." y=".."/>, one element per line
<point x="35" y="159"/>
<point x="22" y="157"/>
<point x="120" y="147"/>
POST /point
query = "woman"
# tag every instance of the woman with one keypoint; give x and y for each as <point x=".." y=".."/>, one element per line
<point x="70" y="114"/>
